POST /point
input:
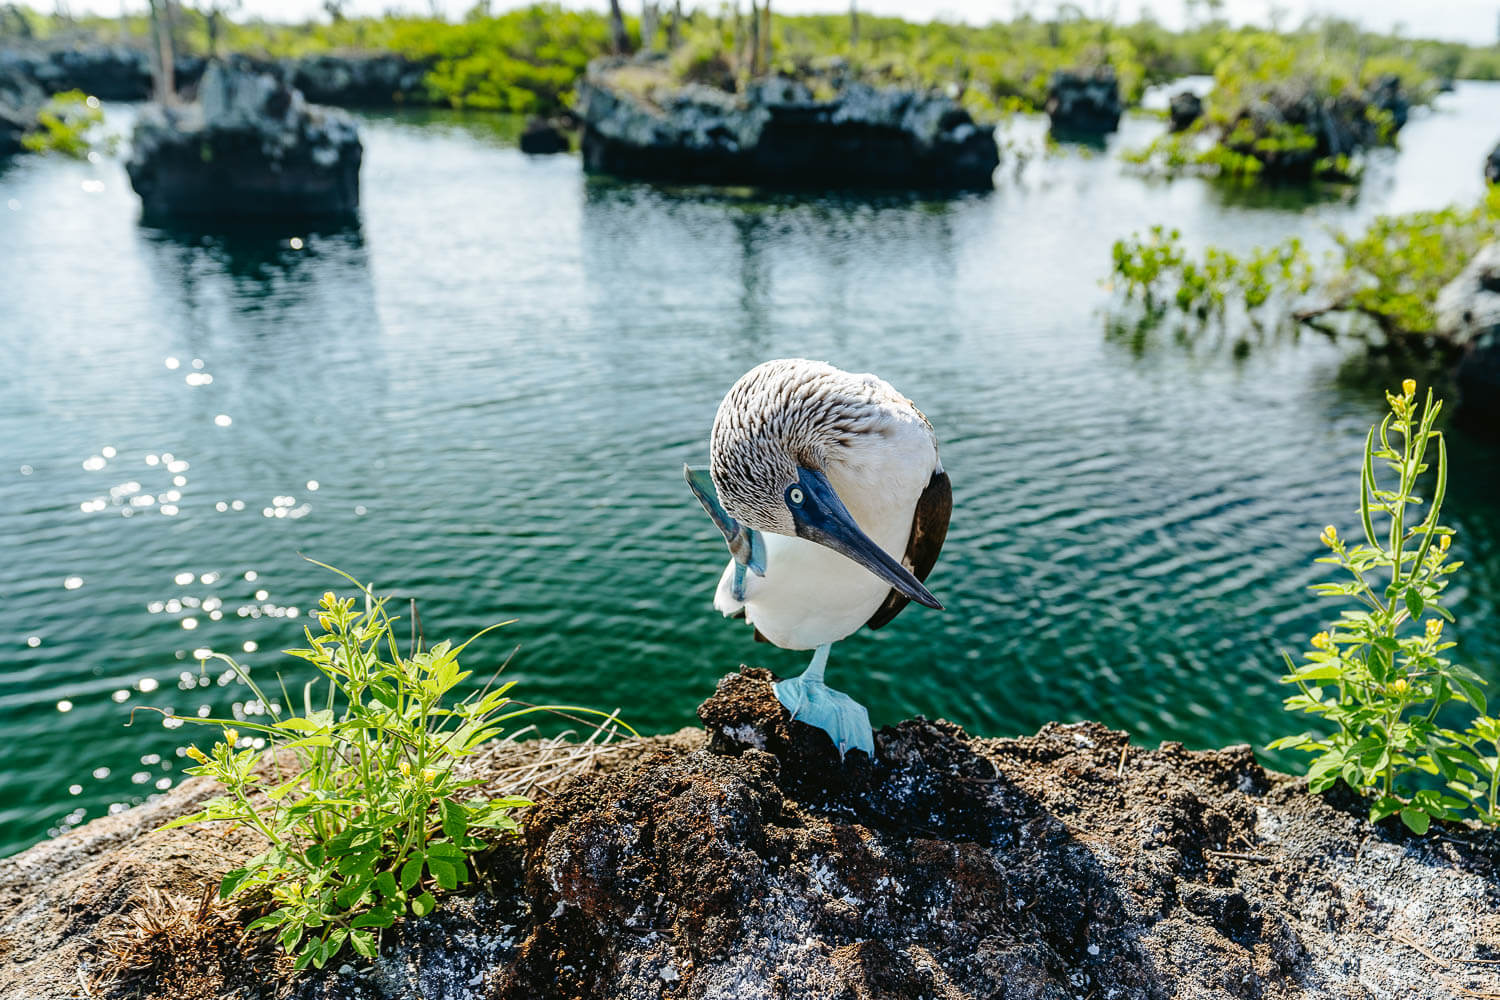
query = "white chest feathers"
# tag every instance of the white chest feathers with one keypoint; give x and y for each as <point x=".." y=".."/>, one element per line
<point x="811" y="595"/>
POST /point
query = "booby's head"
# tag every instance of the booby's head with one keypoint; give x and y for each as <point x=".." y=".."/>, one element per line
<point x="776" y="433"/>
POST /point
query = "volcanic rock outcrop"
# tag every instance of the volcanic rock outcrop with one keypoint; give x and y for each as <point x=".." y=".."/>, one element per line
<point x="1084" y="102"/>
<point x="747" y="862"/>
<point x="778" y="134"/>
<point x="1184" y="109"/>
<point x="250" y="148"/>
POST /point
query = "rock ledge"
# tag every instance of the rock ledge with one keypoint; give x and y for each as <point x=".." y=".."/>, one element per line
<point x="750" y="863"/>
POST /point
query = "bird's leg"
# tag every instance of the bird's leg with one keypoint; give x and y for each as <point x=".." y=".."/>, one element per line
<point x="811" y="701"/>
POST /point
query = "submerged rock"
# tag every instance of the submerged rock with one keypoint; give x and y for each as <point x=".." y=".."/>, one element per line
<point x="543" y="136"/>
<point x="1468" y="310"/>
<point x="1492" y="166"/>
<point x="750" y="863"/>
<point x="1185" y="108"/>
<point x="251" y="147"/>
<point x="779" y="134"/>
<point x="1084" y="102"/>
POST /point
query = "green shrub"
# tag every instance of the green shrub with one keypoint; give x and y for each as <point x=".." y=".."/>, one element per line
<point x="1384" y="281"/>
<point x="66" y="124"/>
<point x="1378" y="672"/>
<point x="359" y="796"/>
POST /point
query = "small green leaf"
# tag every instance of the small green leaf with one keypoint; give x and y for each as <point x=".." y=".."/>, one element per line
<point x="423" y="904"/>
<point x="379" y="916"/>
<point x="1414" y="602"/>
<point x="232" y="882"/>
<point x="364" y="944"/>
<point x="1415" y="819"/>
<point x="445" y="871"/>
<point x="455" y="822"/>
<point x="411" y="872"/>
<point x="1473" y="694"/>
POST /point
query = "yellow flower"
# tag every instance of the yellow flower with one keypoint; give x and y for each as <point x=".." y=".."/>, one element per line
<point x="231" y="736"/>
<point x="1323" y="641"/>
<point x="1434" y="628"/>
<point x="406" y="768"/>
<point x="1330" y="536"/>
<point x="1409" y="387"/>
<point x="428" y="775"/>
<point x="1443" y="543"/>
<point x="1399" y="686"/>
<point x="197" y="754"/>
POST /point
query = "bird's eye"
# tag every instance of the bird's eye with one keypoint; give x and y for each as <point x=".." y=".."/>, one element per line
<point x="794" y="495"/>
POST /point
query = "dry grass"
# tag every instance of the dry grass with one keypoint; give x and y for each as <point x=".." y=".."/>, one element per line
<point x="170" y="946"/>
<point x="527" y="765"/>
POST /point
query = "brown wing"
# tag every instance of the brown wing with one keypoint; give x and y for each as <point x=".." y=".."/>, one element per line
<point x="929" y="526"/>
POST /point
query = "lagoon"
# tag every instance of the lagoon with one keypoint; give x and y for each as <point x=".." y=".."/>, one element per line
<point x="482" y="396"/>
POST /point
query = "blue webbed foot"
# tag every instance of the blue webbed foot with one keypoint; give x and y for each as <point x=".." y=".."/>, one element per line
<point x="812" y="702"/>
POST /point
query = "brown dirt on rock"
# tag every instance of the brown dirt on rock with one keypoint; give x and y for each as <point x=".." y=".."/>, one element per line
<point x="1064" y="865"/>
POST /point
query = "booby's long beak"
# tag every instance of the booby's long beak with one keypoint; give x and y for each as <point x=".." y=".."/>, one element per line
<point x="821" y="517"/>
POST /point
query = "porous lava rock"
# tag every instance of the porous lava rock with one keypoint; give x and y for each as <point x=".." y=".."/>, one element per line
<point x="251" y="147"/>
<point x="638" y="123"/>
<point x="352" y="80"/>
<point x="20" y="100"/>
<point x="1184" y="109"/>
<point x="747" y="861"/>
<point x="1084" y="102"/>
<point x="108" y="72"/>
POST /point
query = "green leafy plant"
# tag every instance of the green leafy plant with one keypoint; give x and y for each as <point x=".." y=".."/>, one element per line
<point x="359" y="796"/>
<point x="1378" y="673"/>
<point x="1381" y="284"/>
<point x="1157" y="270"/>
<point x="66" y="124"/>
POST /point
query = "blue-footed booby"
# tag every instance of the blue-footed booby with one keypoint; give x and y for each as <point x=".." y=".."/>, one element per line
<point x="816" y="478"/>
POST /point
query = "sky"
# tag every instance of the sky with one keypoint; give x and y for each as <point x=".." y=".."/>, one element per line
<point x="1473" y="21"/>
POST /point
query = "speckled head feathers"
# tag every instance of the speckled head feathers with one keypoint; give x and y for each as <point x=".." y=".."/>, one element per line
<point x="786" y="413"/>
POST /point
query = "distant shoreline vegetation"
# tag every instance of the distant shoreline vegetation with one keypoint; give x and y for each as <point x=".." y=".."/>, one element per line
<point x="528" y="60"/>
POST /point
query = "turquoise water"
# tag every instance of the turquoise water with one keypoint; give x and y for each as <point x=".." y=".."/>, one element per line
<point x="483" y="396"/>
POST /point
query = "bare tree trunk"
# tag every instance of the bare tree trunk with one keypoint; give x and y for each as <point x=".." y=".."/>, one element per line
<point x="650" y="21"/>
<point x="162" y="55"/>
<point x="619" y="41"/>
<point x="765" y="35"/>
<point x="174" y="29"/>
<point x="674" y="27"/>
<point x="853" y="25"/>
<point x="754" y="40"/>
